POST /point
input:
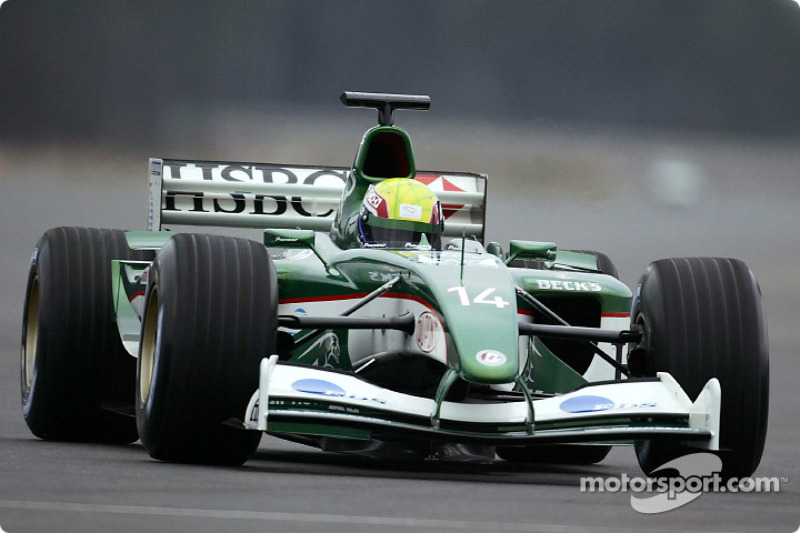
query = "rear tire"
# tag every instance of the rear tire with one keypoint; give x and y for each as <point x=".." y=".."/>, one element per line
<point x="604" y="263"/>
<point x="210" y="317"/>
<point x="703" y="318"/>
<point x="73" y="363"/>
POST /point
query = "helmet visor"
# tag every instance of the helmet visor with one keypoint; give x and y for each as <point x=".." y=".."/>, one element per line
<point x="399" y="234"/>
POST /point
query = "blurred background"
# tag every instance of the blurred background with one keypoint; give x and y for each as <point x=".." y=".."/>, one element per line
<point x="646" y="128"/>
<point x="640" y="128"/>
<point x="126" y="72"/>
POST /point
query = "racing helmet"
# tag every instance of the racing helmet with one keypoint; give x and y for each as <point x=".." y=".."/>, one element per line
<point x="400" y="213"/>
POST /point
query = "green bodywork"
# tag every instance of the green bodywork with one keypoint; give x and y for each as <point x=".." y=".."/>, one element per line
<point x="473" y="292"/>
<point x="452" y="289"/>
<point x="414" y="347"/>
<point x="147" y="240"/>
<point x="126" y="278"/>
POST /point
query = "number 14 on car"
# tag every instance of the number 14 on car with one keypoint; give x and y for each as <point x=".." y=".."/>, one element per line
<point x="482" y="298"/>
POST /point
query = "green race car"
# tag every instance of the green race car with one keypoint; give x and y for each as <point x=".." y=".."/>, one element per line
<point x="372" y="318"/>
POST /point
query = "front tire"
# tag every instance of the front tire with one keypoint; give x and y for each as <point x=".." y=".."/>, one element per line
<point x="704" y="318"/>
<point x="73" y="365"/>
<point x="210" y="317"/>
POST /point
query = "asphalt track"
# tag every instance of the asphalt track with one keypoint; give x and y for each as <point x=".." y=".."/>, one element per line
<point x="635" y="199"/>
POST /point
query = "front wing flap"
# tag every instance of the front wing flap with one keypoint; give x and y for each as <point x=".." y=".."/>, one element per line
<point x="319" y="402"/>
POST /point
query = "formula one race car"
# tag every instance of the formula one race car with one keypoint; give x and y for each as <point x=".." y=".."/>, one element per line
<point x="372" y="319"/>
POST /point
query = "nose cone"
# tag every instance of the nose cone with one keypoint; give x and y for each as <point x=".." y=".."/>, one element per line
<point x="487" y="345"/>
<point x="479" y="308"/>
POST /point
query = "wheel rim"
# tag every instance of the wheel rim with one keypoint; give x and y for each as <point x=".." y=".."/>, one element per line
<point x="148" y="353"/>
<point x="31" y="344"/>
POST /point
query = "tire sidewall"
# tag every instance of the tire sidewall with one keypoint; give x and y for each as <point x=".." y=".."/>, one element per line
<point x="149" y="412"/>
<point x="28" y="391"/>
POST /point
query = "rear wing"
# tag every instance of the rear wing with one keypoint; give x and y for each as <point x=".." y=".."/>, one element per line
<point x="264" y="195"/>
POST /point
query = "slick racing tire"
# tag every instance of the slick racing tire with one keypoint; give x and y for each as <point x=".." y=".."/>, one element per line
<point x="703" y="318"/>
<point x="210" y="317"/>
<point x="74" y="369"/>
<point x="571" y="454"/>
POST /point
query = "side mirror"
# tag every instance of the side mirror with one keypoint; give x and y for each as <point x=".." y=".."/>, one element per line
<point x="531" y="250"/>
<point x="496" y="249"/>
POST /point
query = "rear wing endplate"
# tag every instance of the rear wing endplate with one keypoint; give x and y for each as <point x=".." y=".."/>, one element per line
<point x="264" y="195"/>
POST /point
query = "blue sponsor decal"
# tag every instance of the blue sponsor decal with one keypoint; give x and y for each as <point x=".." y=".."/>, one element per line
<point x="586" y="404"/>
<point x="298" y="311"/>
<point x="326" y="388"/>
<point x="318" y="386"/>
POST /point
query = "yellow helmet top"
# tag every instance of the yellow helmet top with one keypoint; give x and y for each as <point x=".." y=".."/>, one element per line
<point x="398" y="212"/>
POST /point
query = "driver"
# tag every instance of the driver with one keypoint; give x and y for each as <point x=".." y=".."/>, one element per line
<point x="400" y="213"/>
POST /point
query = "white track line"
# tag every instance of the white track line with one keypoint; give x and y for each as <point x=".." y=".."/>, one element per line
<point x="273" y="516"/>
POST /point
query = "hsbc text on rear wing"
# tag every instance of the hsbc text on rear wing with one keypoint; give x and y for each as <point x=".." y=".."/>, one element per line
<point x="265" y="195"/>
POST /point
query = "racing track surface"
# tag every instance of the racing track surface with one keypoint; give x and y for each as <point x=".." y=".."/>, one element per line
<point x="637" y="200"/>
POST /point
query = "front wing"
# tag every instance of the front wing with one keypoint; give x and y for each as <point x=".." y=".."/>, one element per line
<point x="328" y="403"/>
